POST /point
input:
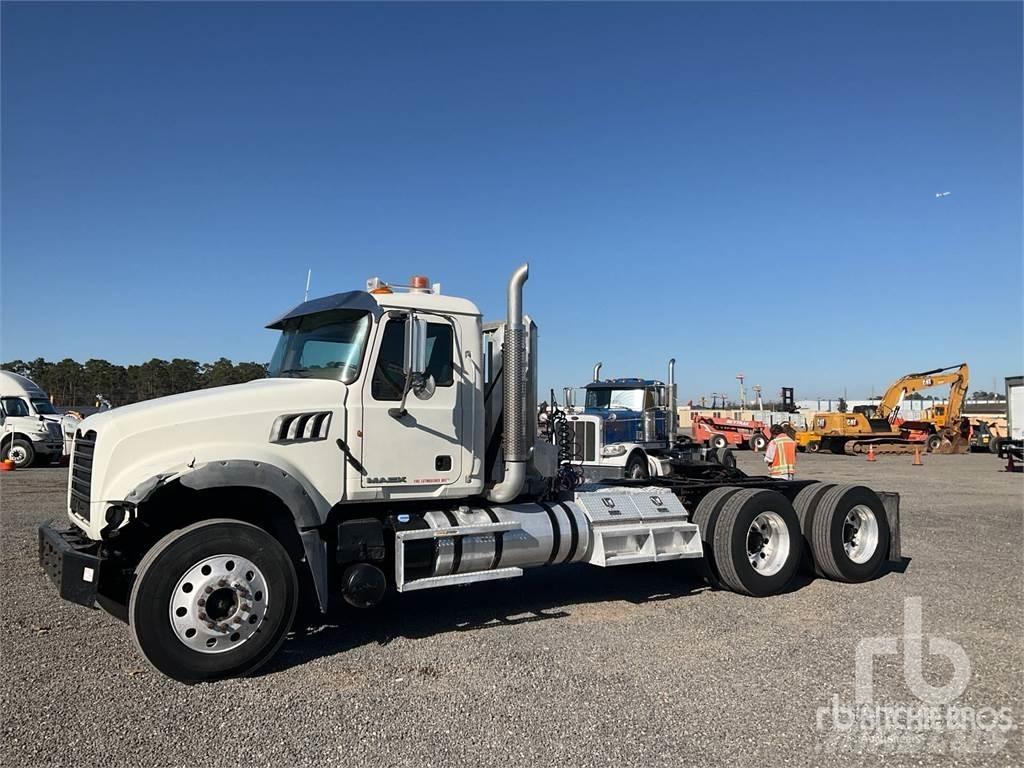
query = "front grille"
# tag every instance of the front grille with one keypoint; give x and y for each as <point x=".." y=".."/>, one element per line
<point x="81" y="473"/>
<point x="584" y="440"/>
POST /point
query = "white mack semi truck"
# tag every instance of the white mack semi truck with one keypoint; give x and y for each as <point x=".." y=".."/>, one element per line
<point x="394" y="447"/>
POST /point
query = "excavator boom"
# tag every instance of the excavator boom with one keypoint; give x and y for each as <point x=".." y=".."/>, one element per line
<point x="957" y="376"/>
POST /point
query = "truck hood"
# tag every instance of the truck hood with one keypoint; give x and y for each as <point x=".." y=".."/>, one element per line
<point x="265" y="398"/>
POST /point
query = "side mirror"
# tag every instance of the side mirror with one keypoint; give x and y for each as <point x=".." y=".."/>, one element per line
<point x="415" y="345"/>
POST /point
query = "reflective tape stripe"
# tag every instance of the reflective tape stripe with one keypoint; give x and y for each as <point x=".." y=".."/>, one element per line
<point x="574" y="532"/>
<point x="556" y="532"/>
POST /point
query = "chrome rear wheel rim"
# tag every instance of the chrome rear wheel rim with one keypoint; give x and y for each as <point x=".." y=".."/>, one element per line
<point x="860" y="534"/>
<point x="768" y="543"/>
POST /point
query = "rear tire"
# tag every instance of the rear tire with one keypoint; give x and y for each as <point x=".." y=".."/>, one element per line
<point x="850" y="534"/>
<point x="726" y="457"/>
<point x="933" y="443"/>
<point x="705" y="517"/>
<point x="757" y="542"/>
<point x="814" y="446"/>
<point x="185" y="573"/>
<point x="806" y="504"/>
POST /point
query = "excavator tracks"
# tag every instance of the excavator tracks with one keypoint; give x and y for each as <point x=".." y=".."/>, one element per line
<point x="883" y="446"/>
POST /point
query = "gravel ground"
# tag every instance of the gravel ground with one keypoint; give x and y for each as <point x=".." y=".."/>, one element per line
<point x="574" y="666"/>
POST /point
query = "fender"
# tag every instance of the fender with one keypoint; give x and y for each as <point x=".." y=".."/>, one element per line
<point x="267" y="477"/>
<point x="9" y="437"/>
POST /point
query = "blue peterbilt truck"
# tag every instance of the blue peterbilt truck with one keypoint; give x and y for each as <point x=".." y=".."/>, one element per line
<point x="628" y="428"/>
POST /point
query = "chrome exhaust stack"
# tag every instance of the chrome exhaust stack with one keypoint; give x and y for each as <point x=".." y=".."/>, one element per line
<point x="513" y="353"/>
<point x="672" y="420"/>
<point x="597" y="372"/>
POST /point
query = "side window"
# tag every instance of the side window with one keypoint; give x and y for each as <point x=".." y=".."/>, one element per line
<point x="14" y="406"/>
<point x="389" y="377"/>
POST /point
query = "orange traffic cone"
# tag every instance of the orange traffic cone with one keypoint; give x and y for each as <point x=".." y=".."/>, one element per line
<point x="917" y="458"/>
<point x="7" y="465"/>
<point x="871" y="453"/>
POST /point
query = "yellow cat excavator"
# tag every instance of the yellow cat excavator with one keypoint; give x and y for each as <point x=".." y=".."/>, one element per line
<point x="882" y="427"/>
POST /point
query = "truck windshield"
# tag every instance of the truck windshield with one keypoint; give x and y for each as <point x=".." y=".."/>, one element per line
<point x="43" y="406"/>
<point x="327" y="345"/>
<point x="629" y="399"/>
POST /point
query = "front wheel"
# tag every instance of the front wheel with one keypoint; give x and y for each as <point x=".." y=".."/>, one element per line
<point x="21" y="452"/>
<point x="814" y="446"/>
<point x="758" y="442"/>
<point x="636" y="467"/>
<point x="718" y="442"/>
<point x="934" y="442"/>
<point x="212" y="600"/>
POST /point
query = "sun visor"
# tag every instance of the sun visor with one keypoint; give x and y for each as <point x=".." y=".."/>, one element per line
<point x="357" y="300"/>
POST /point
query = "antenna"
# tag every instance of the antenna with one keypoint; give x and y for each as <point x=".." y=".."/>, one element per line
<point x="309" y="276"/>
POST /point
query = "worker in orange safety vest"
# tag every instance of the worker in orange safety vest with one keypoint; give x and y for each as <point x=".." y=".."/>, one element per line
<point x="780" y="456"/>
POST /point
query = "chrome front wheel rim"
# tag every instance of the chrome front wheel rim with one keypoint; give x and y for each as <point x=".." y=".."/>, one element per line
<point x="219" y="603"/>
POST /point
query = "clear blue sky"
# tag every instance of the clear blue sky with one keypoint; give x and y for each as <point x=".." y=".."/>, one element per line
<point x="745" y="187"/>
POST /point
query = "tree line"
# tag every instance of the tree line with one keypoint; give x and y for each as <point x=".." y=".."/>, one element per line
<point x="72" y="383"/>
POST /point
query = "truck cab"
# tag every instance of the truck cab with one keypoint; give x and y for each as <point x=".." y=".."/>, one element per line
<point x="31" y="426"/>
<point x="626" y="428"/>
<point x="620" y="421"/>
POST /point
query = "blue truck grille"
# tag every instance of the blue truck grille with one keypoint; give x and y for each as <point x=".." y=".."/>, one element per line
<point x="81" y="473"/>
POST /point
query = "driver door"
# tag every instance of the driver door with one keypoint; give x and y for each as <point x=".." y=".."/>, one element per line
<point x="421" y="450"/>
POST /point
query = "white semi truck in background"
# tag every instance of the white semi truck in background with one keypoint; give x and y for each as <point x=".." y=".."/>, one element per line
<point x="1013" y="444"/>
<point x="31" y="429"/>
<point x="394" y="447"/>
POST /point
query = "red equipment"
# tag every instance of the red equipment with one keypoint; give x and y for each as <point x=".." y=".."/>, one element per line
<point x="719" y="433"/>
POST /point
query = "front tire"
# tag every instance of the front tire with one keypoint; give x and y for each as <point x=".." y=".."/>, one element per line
<point x="757" y="543"/>
<point x="21" y="452"/>
<point x="814" y="446"/>
<point x="212" y="600"/>
<point x="718" y="442"/>
<point x="933" y="443"/>
<point x="636" y="467"/>
<point x="758" y="443"/>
